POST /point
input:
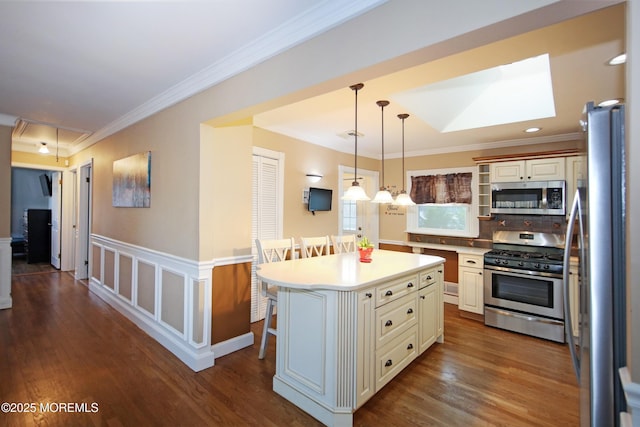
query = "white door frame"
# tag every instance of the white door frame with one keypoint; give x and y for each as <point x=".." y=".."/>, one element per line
<point x="56" y="218"/>
<point x="368" y="222"/>
<point x="84" y="221"/>
<point x="69" y="219"/>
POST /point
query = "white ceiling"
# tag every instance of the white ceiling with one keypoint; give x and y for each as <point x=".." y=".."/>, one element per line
<point x="92" y="68"/>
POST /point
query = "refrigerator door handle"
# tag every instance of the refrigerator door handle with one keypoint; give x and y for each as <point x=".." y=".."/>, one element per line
<point x="575" y="211"/>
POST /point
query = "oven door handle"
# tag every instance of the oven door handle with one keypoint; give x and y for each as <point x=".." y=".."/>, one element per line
<point x="576" y="211"/>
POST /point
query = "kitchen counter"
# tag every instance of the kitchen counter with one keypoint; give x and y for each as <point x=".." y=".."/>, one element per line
<point x="344" y="272"/>
<point x="347" y="328"/>
<point x="457" y="249"/>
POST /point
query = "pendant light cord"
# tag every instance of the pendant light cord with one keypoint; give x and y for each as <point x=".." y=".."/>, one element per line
<point x="382" y="104"/>
<point x="402" y="117"/>
<point x="356" y="88"/>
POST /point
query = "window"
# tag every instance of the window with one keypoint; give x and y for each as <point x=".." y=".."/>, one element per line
<point x="349" y="215"/>
<point x="445" y="219"/>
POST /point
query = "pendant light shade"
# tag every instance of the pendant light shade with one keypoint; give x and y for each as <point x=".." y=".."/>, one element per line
<point x="383" y="195"/>
<point x="403" y="199"/>
<point x="355" y="192"/>
<point x="43" y="148"/>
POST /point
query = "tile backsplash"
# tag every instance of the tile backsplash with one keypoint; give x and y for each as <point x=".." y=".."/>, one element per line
<point x="555" y="224"/>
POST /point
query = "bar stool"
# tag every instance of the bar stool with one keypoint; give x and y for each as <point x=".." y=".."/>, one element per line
<point x="314" y="246"/>
<point x="274" y="250"/>
<point x="344" y="243"/>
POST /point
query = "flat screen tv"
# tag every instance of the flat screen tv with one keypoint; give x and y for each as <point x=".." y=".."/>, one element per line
<point x="320" y="199"/>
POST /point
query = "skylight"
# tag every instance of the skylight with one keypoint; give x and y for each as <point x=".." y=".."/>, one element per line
<point x="511" y="93"/>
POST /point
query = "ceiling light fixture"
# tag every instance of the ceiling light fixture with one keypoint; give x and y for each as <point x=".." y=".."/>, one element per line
<point x="403" y="198"/>
<point x="355" y="192"/>
<point x="609" y="102"/>
<point x="314" y="177"/>
<point x="533" y="129"/>
<point x="43" y="148"/>
<point x="383" y="195"/>
<point x="617" y="60"/>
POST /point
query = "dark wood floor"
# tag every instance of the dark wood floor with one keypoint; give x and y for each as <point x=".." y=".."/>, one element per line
<point x="60" y="343"/>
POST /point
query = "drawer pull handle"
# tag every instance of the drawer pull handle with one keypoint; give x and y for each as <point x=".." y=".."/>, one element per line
<point x="410" y="285"/>
<point x="439" y="271"/>
<point x="389" y="323"/>
<point x="410" y="347"/>
<point x="470" y="261"/>
<point x="368" y="294"/>
<point x="388" y="293"/>
<point x="429" y="277"/>
<point x="410" y="311"/>
<point x="388" y="363"/>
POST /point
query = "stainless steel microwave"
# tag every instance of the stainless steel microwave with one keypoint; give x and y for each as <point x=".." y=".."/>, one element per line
<point x="529" y="198"/>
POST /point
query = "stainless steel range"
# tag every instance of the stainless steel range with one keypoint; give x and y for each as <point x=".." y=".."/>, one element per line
<point x="523" y="284"/>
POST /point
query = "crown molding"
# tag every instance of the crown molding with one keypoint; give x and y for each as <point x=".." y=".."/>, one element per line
<point x="496" y="144"/>
<point x="322" y="17"/>
<point x="7" y="120"/>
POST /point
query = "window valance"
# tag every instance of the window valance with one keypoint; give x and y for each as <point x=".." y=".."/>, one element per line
<point x="448" y="188"/>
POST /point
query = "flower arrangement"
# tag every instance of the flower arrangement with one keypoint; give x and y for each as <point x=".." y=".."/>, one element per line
<point x="364" y="243"/>
<point x="365" y="247"/>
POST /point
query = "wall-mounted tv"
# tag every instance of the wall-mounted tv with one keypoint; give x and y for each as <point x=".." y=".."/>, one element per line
<point x="46" y="184"/>
<point x="320" y="199"/>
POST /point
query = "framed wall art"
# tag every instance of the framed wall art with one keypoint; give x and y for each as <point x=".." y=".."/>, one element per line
<point x="132" y="181"/>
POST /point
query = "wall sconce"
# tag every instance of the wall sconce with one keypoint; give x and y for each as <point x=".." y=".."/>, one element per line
<point x="314" y="177"/>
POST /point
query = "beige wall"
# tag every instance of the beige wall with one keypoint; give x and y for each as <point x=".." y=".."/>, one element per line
<point x="5" y="181"/>
<point x="38" y="160"/>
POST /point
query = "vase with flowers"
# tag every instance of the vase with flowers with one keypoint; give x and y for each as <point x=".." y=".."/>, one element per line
<point x="364" y="249"/>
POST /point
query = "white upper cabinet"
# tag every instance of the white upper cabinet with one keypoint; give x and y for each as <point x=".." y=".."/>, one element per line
<point x="547" y="169"/>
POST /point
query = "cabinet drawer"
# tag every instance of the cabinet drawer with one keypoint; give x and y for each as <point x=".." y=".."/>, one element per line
<point x="395" y="318"/>
<point x="396" y="289"/>
<point x="394" y="357"/>
<point x="428" y="277"/>
<point x="469" y="260"/>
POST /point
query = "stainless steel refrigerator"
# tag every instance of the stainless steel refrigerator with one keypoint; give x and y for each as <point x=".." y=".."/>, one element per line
<point x="597" y="227"/>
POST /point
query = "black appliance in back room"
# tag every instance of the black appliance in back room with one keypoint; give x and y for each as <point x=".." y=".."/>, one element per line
<point x="598" y="216"/>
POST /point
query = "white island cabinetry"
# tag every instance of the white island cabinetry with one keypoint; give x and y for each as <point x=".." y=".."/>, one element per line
<point x="346" y="328"/>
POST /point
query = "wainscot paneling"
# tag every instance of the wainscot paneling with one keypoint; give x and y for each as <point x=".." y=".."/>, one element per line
<point x="168" y="297"/>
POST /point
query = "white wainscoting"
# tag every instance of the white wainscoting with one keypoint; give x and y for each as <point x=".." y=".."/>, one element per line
<point x="168" y="297"/>
<point x="5" y="273"/>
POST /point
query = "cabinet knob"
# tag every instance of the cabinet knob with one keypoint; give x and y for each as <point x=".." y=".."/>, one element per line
<point x="429" y="277"/>
<point x="439" y="271"/>
<point x="389" y="323"/>
<point x="410" y="311"/>
<point x="368" y="294"/>
<point x="388" y="363"/>
<point x="388" y="293"/>
<point x="422" y="296"/>
<point x="410" y="285"/>
<point x="480" y="273"/>
<point x="410" y="347"/>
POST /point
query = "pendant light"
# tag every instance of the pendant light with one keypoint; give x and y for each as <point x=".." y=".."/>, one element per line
<point x="383" y="195"/>
<point x="403" y="198"/>
<point x="43" y="148"/>
<point x="355" y="192"/>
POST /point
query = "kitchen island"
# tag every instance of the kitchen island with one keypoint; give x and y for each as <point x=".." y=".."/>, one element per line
<point x="346" y="328"/>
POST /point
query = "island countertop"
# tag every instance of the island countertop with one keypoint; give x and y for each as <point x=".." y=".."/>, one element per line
<point x="344" y="272"/>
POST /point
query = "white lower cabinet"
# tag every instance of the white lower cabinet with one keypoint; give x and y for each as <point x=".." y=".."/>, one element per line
<point x="336" y="349"/>
<point x="471" y="283"/>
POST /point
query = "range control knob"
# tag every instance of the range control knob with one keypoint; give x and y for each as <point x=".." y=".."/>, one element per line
<point x="546" y="267"/>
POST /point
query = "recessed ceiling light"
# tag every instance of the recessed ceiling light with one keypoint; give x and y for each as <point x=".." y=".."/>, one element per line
<point x="617" y="60"/>
<point x="609" y="102"/>
<point x="532" y="130"/>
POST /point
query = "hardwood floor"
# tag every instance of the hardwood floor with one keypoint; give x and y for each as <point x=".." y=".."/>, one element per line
<point x="60" y="343"/>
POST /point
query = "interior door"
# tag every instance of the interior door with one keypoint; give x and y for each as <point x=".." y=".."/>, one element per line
<point x="359" y="218"/>
<point x="56" y="214"/>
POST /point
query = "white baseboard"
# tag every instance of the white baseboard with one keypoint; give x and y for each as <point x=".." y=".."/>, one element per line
<point x="451" y="299"/>
<point x="6" y="303"/>
<point x="229" y="346"/>
<point x="196" y="360"/>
